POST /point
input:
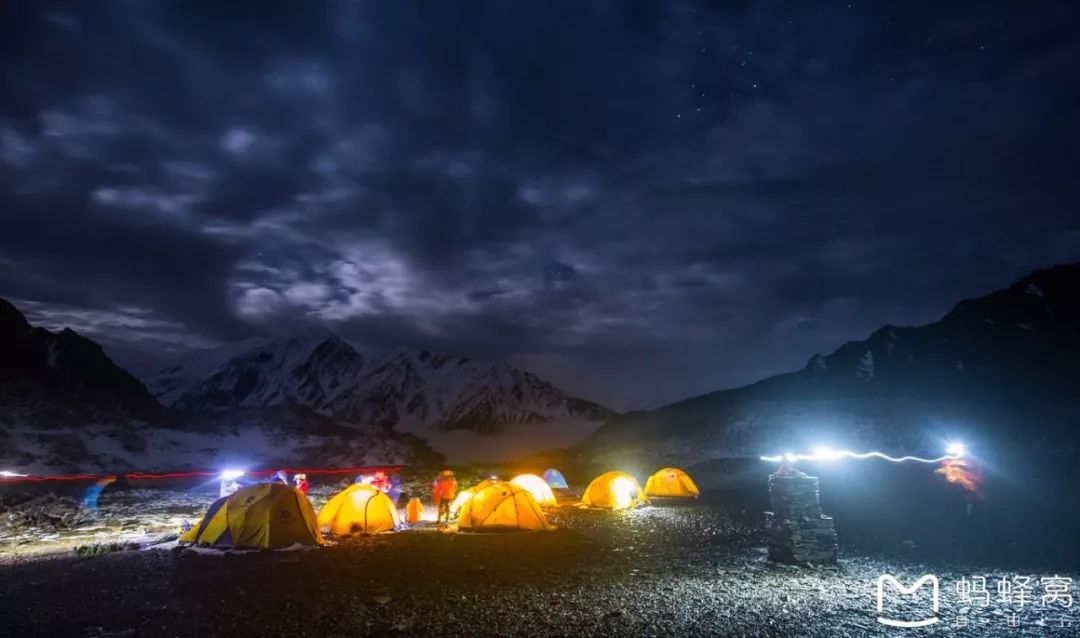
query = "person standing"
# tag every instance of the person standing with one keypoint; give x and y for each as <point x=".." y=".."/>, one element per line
<point x="302" y="483"/>
<point x="443" y="492"/>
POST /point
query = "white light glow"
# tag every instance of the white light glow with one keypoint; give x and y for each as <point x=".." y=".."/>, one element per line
<point x="459" y="502"/>
<point x="826" y="453"/>
<point x="8" y="474"/>
<point x="952" y="452"/>
<point x="231" y="475"/>
<point x="956" y="449"/>
<point x="624" y="492"/>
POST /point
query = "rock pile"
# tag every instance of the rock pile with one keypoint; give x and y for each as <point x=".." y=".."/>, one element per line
<point x="795" y="530"/>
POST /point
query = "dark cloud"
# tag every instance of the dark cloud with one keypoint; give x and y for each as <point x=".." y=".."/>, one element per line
<point x="640" y="200"/>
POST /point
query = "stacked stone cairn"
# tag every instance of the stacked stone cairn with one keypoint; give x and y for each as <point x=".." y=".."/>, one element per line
<point x="795" y="530"/>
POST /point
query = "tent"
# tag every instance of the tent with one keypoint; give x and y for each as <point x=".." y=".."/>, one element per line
<point x="501" y="505"/>
<point x="459" y="501"/>
<point x="264" y="516"/>
<point x="537" y="486"/>
<point x="465" y="495"/>
<point x="671" y="481"/>
<point x="555" y="479"/>
<point x="359" y="509"/>
<point x="614" y="490"/>
<point x="414" y="510"/>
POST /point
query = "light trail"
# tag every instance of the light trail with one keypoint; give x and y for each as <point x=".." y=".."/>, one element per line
<point x="953" y="452"/>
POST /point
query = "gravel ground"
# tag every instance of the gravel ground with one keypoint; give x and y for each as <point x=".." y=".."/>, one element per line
<point x="687" y="570"/>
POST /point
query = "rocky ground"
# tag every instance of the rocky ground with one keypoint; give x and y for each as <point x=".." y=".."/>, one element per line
<point x="683" y="570"/>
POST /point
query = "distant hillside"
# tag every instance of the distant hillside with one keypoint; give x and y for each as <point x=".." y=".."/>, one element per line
<point x="1004" y="366"/>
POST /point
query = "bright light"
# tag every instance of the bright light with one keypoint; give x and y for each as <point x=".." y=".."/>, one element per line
<point x="826" y="453"/>
<point x="624" y="492"/>
<point x="7" y="474"/>
<point x="231" y="475"/>
<point x="459" y="502"/>
<point x="952" y="451"/>
<point x="536" y="486"/>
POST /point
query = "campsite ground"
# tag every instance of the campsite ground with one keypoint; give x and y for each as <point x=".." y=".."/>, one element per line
<point x="674" y="569"/>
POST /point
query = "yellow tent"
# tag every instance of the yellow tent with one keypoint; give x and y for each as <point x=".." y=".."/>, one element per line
<point x="465" y="495"/>
<point x="359" y="509"/>
<point x="459" y="501"/>
<point x="264" y="516"/>
<point x="613" y="490"/>
<point x="536" y="486"/>
<point x="501" y="505"/>
<point x="671" y="481"/>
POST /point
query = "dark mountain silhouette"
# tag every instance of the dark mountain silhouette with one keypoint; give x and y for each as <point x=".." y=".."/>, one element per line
<point x="1004" y="366"/>
<point x="65" y="369"/>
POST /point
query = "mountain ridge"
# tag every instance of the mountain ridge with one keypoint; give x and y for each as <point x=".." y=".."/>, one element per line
<point x="65" y="407"/>
<point x="987" y="365"/>
<point x="412" y="390"/>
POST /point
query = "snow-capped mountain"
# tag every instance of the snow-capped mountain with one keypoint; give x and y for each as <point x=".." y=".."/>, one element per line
<point x="66" y="407"/>
<point x="1004" y="366"/>
<point x="297" y="369"/>
<point x="412" y="390"/>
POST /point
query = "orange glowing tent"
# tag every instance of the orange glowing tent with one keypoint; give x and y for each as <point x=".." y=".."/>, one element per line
<point x="414" y="510"/>
<point x="614" y="490"/>
<point x="359" y="509"/>
<point x="501" y="505"/>
<point x="671" y="482"/>
<point x="537" y="486"/>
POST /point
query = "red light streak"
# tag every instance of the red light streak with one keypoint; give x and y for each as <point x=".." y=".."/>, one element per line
<point x="140" y="476"/>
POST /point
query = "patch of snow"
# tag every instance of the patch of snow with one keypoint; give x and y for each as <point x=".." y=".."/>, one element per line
<point x="53" y="354"/>
<point x="864" y="369"/>
<point x="1033" y="290"/>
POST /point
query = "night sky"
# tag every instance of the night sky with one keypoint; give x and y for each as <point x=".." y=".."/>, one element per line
<point x="639" y="201"/>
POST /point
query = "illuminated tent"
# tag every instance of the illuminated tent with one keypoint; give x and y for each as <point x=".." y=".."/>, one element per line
<point x="671" y="481"/>
<point x="414" y="510"/>
<point x="264" y="516"/>
<point x="465" y="495"/>
<point x="537" y="486"/>
<point x="555" y="479"/>
<point x="614" y="490"/>
<point x="501" y="505"/>
<point x="359" y="509"/>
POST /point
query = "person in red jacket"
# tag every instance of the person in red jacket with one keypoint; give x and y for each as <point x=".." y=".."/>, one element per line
<point x="302" y="483"/>
<point x="381" y="481"/>
<point x="443" y="492"/>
